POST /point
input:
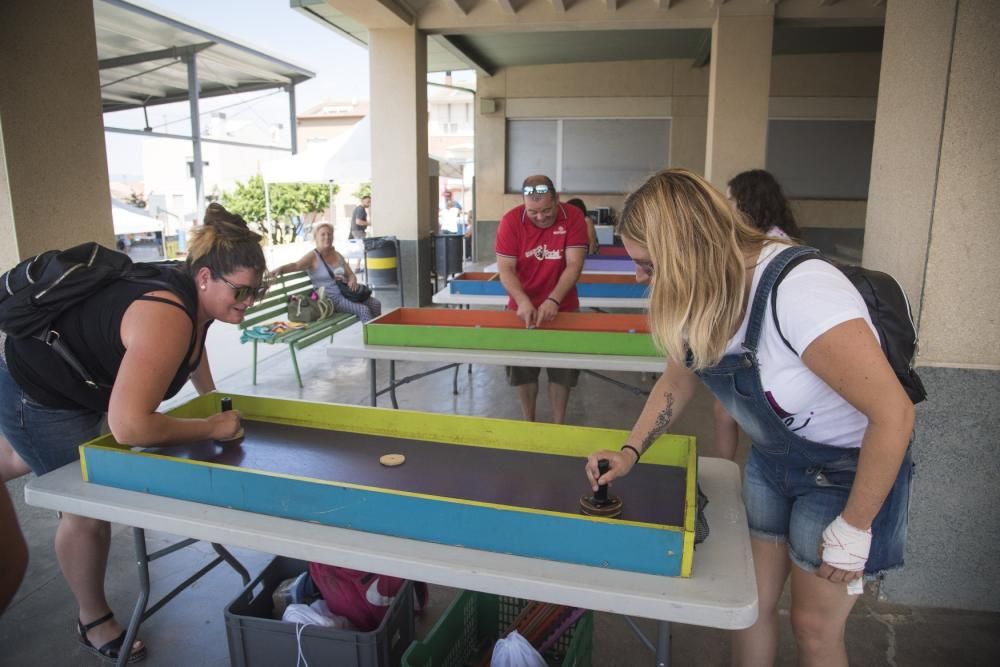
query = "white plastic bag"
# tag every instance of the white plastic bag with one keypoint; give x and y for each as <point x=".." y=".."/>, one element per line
<point x="516" y="651"/>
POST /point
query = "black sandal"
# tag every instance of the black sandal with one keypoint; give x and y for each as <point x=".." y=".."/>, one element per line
<point x="110" y="650"/>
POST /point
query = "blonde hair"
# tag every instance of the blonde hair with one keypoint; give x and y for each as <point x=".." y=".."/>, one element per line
<point x="320" y="226"/>
<point x="697" y="244"/>
<point x="224" y="244"/>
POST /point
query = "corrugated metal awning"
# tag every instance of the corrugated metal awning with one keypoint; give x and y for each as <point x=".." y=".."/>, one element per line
<point x="143" y="57"/>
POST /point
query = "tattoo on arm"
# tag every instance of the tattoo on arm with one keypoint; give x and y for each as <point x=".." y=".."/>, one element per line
<point x="661" y="423"/>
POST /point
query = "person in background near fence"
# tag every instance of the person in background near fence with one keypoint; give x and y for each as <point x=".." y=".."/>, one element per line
<point x="827" y="483"/>
<point x="592" y="245"/>
<point x="359" y="219"/>
<point x="327" y="267"/>
<point x="147" y="344"/>
<point x="540" y="249"/>
<point x="758" y="196"/>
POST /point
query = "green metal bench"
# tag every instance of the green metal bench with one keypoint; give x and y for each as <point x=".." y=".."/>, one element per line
<point x="274" y="307"/>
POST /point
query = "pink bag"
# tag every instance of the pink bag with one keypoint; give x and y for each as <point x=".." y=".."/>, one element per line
<point x="363" y="598"/>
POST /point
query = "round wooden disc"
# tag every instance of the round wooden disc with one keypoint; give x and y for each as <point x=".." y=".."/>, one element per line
<point x="238" y="436"/>
<point x="612" y="509"/>
<point x="392" y="460"/>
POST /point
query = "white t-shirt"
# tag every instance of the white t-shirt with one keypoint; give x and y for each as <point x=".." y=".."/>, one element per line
<point x="813" y="298"/>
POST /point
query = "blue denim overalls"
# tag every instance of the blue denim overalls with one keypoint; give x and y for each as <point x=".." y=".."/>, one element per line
<point x="795" y="487"/>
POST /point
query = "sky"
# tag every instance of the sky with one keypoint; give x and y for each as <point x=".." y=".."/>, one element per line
<point x="341" y="68"/>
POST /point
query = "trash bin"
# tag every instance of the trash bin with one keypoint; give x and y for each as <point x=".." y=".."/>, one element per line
<point x="382" y="261"/>
<point x="448" y="254"/>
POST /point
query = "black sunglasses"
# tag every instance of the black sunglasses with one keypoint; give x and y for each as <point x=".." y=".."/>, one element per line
<point x="243" y="292"/>
<point x="536" y="190"/>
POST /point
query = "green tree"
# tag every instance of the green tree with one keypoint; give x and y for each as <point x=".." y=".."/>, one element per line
<point x="304" y="201"/>
<point x="365" y="190"/>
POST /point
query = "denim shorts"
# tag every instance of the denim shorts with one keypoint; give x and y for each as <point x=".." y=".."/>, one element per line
<point x="45" y="438"/>
<point x="793" y="501"/>
<point x="518" y="375"/>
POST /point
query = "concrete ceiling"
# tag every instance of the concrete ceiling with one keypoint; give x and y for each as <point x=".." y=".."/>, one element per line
<point x="487" y="35"/>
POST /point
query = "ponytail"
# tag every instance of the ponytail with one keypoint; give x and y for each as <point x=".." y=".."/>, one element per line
<point x="224" y="244"/>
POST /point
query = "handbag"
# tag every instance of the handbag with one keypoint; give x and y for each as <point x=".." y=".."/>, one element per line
<point x="359" y="294"/>
<point x="305" y="309"/>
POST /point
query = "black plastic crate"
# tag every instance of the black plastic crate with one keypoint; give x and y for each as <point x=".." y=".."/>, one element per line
<point x="258" y="640"/>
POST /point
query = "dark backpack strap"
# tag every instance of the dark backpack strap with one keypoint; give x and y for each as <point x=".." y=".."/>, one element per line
<point x="768" y="281"/>
<point x="798" y="259"/>
<point x="54" y="341"/>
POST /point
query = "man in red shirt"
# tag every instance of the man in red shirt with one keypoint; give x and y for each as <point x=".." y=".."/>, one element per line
<point x="540" y="247"/>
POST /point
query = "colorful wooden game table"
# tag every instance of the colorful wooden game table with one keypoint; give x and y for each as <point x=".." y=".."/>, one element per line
<point x="619" y="265"/>
<point x="306" y="482"/>
<point x="454" y="352"/>
<point x="595" y="290"/>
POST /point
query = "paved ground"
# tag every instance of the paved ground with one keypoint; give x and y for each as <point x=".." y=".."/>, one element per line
<point x="190" y="631"/>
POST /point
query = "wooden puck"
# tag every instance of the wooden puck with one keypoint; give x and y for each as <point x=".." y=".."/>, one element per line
<point x="238" y="436"/>
<point x="392" y="460"/>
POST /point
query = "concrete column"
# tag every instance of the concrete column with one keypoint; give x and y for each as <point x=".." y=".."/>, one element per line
<point x="738" y="89"/>
<point x="907" y="151"/>
<point x="56" y="176"/>
<point x="8" y="237"/>
<point x="400" y="206"/>
<point x="933" y="219"/>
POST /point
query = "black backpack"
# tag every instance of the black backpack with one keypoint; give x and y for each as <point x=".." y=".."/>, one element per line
<point x="35" y="292"/>
<point x="890" y="313"/>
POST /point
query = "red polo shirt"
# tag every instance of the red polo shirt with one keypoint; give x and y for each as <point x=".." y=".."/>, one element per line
<point x="541" y="253"/>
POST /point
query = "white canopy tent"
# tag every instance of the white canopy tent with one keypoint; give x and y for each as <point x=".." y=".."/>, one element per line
<point x="132" y="220"/>
<point x="346" y="161"/>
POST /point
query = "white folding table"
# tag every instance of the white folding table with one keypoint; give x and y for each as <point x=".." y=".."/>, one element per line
<point x="721" y="593"/>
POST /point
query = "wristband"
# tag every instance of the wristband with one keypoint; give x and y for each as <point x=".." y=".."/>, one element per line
<point x="553" y="300"/>
<point x="638" y="454"/>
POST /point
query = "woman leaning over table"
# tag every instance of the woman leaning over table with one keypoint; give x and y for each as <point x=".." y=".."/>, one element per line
<point x="326" y="268"/>
<point x="827" y="482"/>
<point x="145" y="343"/>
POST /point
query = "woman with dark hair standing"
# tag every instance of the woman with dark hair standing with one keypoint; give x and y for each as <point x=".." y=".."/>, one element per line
<point x="592" y="245"/>
<point x="827" y="484"/>
<point x="758" y="196"/>
<point x="146" y="344"/>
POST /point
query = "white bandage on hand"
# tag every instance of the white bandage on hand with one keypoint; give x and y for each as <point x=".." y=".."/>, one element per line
<point x="846" y="548"/>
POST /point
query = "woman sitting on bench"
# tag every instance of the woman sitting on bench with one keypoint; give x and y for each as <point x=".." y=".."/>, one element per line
<point x="326" y="268"/>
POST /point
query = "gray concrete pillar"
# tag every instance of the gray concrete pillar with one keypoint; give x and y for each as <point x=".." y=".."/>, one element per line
<point x="738" y="89"/>
<point x="933" y="215"/>
<point x="400" y="206"/>
<point x="56" y="170"/>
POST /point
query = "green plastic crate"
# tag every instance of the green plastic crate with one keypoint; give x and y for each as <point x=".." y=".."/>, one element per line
<point x="474" y="622"/>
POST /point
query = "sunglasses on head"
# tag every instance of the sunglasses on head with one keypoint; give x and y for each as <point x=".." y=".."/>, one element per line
<point x="243" y="292"/>
<point x="536" y="190"/>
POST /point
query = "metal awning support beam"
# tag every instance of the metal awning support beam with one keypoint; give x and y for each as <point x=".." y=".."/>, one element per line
<point x="185" y="137"/>
<point x="293" y="128"/>
<point x="173" y="53"/>
<point x="197" y="168"/>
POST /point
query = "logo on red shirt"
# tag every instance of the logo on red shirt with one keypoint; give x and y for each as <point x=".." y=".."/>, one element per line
<point x="542" y="252"/>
